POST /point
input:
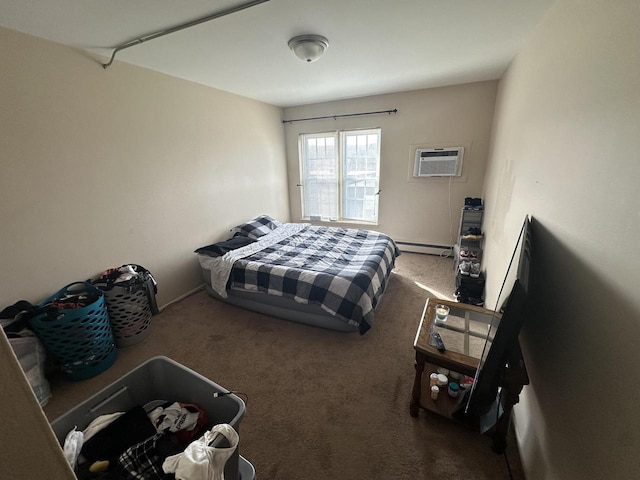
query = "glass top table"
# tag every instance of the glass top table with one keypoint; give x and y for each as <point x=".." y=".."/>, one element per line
<point x="464" y="334"/>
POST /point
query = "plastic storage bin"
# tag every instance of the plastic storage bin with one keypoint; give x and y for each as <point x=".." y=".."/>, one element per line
<point x="247" y="472"/>
<point x="31" y="355"/>
<point x="161" y="378"/>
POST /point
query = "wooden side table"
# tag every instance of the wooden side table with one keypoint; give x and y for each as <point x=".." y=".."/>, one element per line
<point x="464" y="334"/>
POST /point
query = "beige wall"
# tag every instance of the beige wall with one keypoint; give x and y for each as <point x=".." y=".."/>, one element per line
<point x="413" y="210"/>
<point x="125" y="165"/>
<point x="101" y="168"/>
<point x="565" y="150"/>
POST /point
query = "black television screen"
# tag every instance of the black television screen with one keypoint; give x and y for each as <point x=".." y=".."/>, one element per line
<point x="503" y="331"/>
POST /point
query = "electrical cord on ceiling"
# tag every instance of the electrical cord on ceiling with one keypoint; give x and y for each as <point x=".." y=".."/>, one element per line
<point x="177" y="28"/>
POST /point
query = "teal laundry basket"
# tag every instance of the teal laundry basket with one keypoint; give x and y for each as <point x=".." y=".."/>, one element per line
<point x="77" y="334"/>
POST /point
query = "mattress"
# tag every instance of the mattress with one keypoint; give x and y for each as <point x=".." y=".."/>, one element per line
<point x="325" y="276"/>
<point x="280" y="307"/>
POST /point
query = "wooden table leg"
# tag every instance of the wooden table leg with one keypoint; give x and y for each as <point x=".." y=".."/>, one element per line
<point x="414" y="406"/>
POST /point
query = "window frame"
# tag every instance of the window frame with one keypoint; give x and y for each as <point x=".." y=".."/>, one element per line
<point x="340" y="140"/>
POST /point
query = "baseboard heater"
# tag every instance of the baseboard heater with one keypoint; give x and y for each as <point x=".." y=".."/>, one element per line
<point x="425" y="245"/>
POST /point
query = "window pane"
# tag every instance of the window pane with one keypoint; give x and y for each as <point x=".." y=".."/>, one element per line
<point x="320" y="176"/>
<point x="360" y="175"/>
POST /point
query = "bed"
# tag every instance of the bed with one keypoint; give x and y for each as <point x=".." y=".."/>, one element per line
<point x="328" y="277"/>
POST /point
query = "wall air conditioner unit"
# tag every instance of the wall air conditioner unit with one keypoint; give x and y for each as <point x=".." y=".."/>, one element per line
<point x="438" y="162"/>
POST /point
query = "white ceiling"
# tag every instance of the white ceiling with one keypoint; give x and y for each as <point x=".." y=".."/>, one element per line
<point x="375" y="46"/>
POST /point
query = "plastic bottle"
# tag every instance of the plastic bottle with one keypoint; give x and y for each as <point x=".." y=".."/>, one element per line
<point x="434" y="392"/>
<point x="454" y="388"/>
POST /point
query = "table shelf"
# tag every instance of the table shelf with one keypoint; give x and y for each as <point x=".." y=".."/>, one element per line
<point x="444" y="405"/>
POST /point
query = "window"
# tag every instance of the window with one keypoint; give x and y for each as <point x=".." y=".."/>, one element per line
<point x="340" y="175"/>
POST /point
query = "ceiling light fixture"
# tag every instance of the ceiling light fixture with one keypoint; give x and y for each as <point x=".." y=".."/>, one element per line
<point x="308" y="47"/>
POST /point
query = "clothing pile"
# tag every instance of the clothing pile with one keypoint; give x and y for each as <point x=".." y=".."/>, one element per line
<point x="22" y="311"/>
<point x="162" y="440"/>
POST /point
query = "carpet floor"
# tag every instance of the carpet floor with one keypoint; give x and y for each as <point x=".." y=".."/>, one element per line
<point x="321" y="404"/>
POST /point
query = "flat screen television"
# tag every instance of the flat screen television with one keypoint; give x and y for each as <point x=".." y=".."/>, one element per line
<point x="503" y="331"/>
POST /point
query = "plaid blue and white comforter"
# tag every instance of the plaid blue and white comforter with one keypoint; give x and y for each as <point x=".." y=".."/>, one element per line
<point x="343" y="270"/>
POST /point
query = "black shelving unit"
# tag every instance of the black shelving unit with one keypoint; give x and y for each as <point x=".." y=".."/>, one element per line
<point x="469" y="248"/>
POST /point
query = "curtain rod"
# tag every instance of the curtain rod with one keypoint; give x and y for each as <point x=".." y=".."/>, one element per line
<point x="395" y="110"/>
<point x="177" y="28"/>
